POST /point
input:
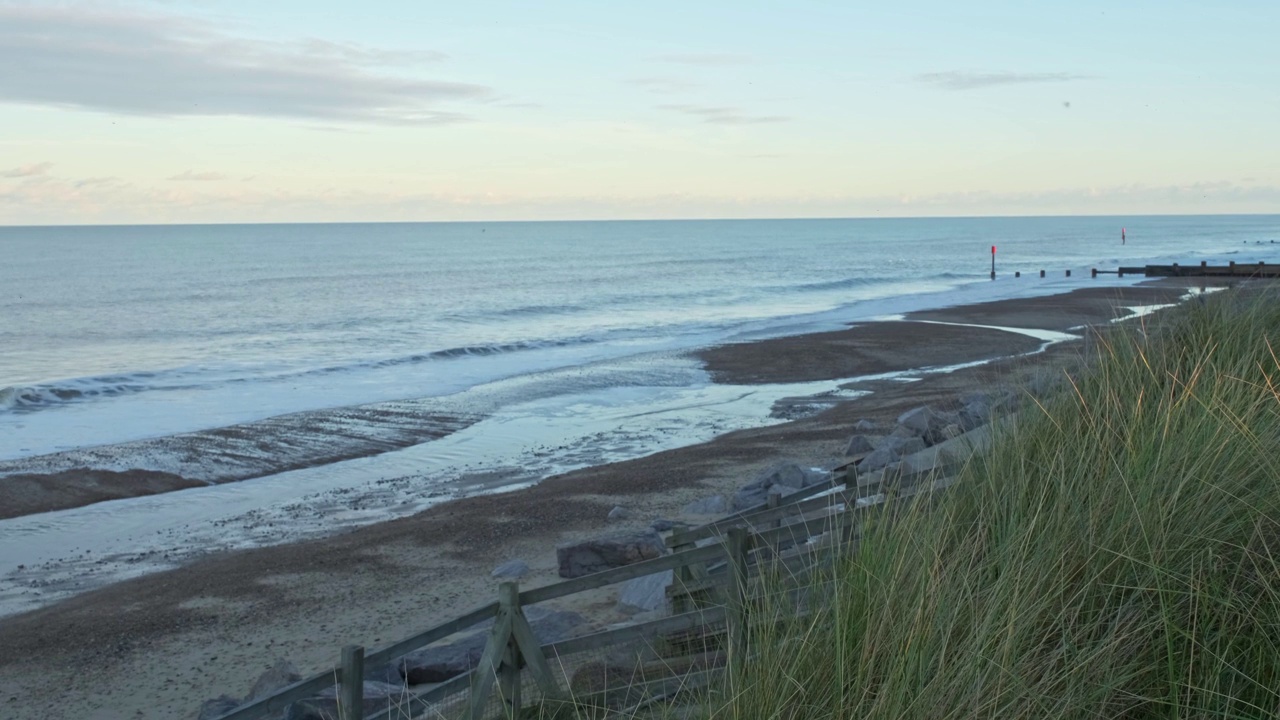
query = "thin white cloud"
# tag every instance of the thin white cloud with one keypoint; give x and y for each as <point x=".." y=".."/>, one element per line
<point x="721" y="115"/>
<point x="191" y="176"/>
<point x="130" y="62"/>
<point x="705" y="58"/>
<point x="664" y="85"/>
<point x="52" y="200"/>
<point x="27" y="170"/>
<point x="959" y="80"/>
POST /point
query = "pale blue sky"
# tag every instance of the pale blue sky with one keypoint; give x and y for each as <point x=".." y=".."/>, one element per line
<point x="239" y="111"/>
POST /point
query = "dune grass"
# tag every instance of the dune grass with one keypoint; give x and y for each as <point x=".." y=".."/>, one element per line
<point x="1116" y="556"/>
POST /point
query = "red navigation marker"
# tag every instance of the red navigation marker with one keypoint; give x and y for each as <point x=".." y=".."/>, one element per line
<point x="993" y="249"/>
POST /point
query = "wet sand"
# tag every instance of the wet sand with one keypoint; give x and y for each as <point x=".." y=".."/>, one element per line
<point x="156" y="646"/>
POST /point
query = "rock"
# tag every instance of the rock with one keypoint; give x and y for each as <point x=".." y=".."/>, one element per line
<point x="904" y="446"/>
<point x="951" y="431"/>
<point x="879" y="458"/>
<point x="441" y="662"/>
<point x="785" y="476"/>
<point x="714" y="505"/>
<point x="619" y="513"/>
<point x="891" y="450"/>
<point x="511" y="570"/>
<point x="858" y="444"/>
<point x="377" y="695"/>
<point x="280" y="674"/>
<point x="217" y="707"/>
<point x="918" y="419"/>
<point x="608" y="551"/>
<point x="903" y="431"/>
<point x="663" y="524"/>
<point x="645" y="594"/>
<point x="864" y="426"/>
<point x="926" y="423"/>
<point x="975" y="413"/>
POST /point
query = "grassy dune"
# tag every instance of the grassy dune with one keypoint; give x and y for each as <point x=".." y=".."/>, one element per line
<point x="1118" y="555"/>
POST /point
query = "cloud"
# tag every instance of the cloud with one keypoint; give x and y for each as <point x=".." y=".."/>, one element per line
<point x="88" y="58"/>
<point x="53" y="200"/>
<point x="705" y="58"/>
<point x="27" y="170"/>
<point x="958" y="80"/>
<point x="664" y="85"/>
<point x="720" y="115"/>
<point x="198" y="176"/>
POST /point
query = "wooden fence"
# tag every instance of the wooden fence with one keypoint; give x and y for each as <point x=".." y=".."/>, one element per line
<point x="717" y="569"/>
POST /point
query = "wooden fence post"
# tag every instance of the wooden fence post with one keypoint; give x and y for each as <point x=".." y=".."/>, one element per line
<point x="737" y="545"/>
<point x="682" y="603"/>
<point x="351" y="684"/>
<point x="509" y="671"/>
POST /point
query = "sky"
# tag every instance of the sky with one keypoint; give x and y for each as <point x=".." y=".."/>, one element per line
<point x="194" y="111"/>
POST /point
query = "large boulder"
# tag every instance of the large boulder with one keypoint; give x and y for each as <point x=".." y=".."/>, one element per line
<point x="377" y="695"/>
<point x="217" y="707"/>
<point x="663" y="524"/>
<point x="864" y="426"/>
<point x="714" y="505"/>
<point x="441" y="662"/>
<point x="927" y="423"/>
<point x="859" y="444"/>
<point x="279" y="675"/>
<point x="609" y="551"/>
<point x="619" y="513"/>
<point x="645" y="594"/>
<point x="892" y="449"/>
<point x="786" y="477"/>
<point x="974" y="414"/>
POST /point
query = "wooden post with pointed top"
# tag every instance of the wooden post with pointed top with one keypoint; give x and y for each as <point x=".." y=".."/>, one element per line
<point x="351" y="684"/>
<point x="738" y="544"/>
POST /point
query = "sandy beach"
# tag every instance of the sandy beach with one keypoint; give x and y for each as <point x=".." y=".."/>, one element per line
<point x="157" y="646"/>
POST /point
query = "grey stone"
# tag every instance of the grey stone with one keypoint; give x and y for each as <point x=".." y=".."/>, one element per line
<point x="619" y="513"/>
<point x="858" y="444"/>
<point x="878" y="459"/>
<point x="645" y="594"/>
<point x="864" y="426"/>
<point x="787" y="476"/>
<point x="714" y="505"/>
<point x="975" y="413"/>
<point x="609" y="551"/>
<point x="441" y="662"/>
<point x="903" y="431"/>
<point x="926" y="423"/>
<point x="511" y="570"/>
<point x="663" y="524"/>
<point x="918" y="419"/>
<point x="951" y="431"/>
<point x="903" y="445"/>
<point x="280" y="674"/>
<point x="217" y="707"/>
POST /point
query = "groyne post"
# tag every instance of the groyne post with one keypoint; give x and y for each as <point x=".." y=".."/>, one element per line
<point x="1041" y="273"/>
<point x="1068" y="273"/>
<point x="738" y="545"/>
<point x="509" y="671"/>
<point x="351" y="684"/>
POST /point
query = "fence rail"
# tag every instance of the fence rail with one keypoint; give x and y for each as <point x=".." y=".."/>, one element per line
<point x="736" y="550"/>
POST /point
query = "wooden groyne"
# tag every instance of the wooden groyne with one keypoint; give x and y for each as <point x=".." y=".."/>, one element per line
<point x="1232" y="269"/>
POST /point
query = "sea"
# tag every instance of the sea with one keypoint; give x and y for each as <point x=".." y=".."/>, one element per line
<point x="314" y="377"/>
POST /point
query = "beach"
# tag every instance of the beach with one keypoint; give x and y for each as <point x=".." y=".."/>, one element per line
<point x="158" y="645"/>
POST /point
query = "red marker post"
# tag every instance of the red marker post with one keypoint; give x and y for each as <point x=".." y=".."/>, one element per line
<point x="993" y="262"/>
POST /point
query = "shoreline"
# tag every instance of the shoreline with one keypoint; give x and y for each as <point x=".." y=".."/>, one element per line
<point x="158" y="645"/>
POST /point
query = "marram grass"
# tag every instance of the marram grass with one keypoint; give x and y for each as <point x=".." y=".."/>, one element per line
<point x="1116" y="556"/>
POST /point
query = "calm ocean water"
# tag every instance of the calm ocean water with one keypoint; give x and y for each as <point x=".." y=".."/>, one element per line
<point x="116" y="333"/>
<point x="532" y="348"/>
